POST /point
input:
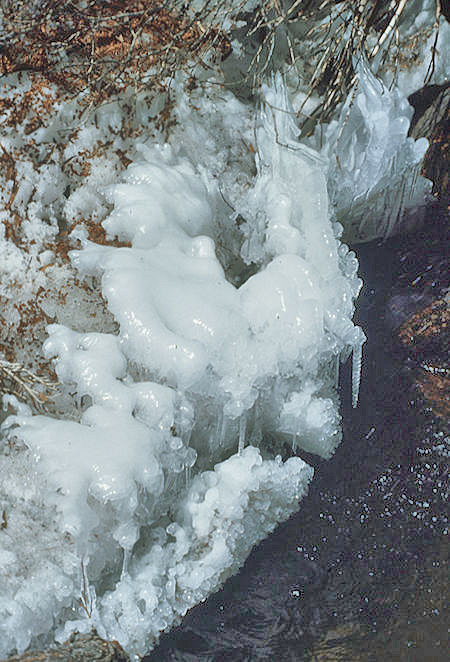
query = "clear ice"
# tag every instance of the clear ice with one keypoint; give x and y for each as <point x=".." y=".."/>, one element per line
<point x="374" y="167"/>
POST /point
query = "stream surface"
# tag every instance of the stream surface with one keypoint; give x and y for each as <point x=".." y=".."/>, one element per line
<point x="361" y="571"/>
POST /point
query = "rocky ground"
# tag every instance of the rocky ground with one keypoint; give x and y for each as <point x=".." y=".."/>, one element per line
<point x="78" y="648"/>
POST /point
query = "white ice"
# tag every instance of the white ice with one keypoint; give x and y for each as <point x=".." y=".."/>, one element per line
<point x="157" y="482"/>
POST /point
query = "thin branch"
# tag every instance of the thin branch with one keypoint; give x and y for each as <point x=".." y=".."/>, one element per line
<point x="17" y="380"/>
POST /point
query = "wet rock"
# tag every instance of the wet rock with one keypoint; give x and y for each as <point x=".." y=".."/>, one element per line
<point x="427" y="332"/>
<point x="426" y="337"/>
<point x="418" y="311"/>
<point x="432" y="120"/>
<point x="435" y="388"/>
<point x="79" y="648"/>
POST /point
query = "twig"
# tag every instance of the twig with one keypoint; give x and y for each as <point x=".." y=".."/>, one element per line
<point x="18" y="380"/>
<point x="431" y="66"/>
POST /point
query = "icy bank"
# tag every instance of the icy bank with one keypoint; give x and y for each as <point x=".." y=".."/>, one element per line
<point x="165" y="477"/>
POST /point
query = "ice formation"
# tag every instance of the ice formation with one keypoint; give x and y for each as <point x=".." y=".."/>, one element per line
<point x="198" y="342"/>
<point x="163" y="481"/>
<point x="374" y="168"/>
<point x="422" y="55"/>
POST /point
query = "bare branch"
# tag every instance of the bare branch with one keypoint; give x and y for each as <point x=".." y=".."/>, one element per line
<point x="17" y="380"/>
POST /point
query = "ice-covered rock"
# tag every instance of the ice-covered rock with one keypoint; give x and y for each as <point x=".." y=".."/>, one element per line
<point x="201" y="329"/>
<point x="225" y="512"/>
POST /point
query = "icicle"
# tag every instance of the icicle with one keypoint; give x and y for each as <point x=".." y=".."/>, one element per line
<point x="126" y="559"/>
<point x="219" y="428"/>
<point x="294" y="442"/>
<point x="242" y="427"/>
<point x="414" y="178"/>
<point x="223" y="429"/>
<point x="356" y="372"/>
<point x="186" y="438"/>
<point x="397" y="209"/>
<point x="187" y="474"/>
<point x="336" y="372"/>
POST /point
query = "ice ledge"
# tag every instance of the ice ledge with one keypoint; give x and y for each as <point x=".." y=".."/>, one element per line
<point x="226" y="512"/>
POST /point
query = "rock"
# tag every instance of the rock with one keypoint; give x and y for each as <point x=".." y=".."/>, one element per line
<point x="418" y="311"/>
<point x="432" y="120"/>
<point x="79" y="648"/>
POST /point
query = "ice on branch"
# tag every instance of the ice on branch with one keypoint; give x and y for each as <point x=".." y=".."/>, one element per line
<point x="374" y="168"/>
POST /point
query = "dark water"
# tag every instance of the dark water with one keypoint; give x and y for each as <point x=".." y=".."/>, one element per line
<point x="361" y="572"/>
